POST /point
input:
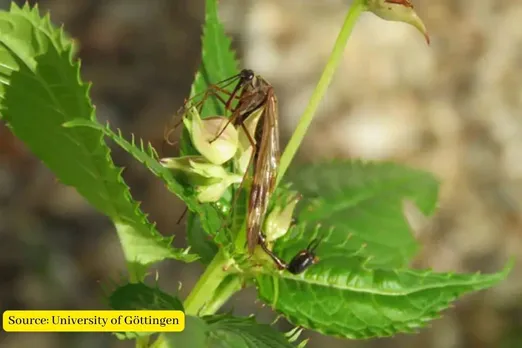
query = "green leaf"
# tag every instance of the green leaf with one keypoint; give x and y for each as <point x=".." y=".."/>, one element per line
<point x="195" y="335"/>
<point x="219" y="330"/>
<point x="230" y="332"/>
<point x="138" y="296"/>
<point x="360" y="289"/>
<point x="148" y="156"/>
<point x="218" y="61"/>
<point x="40" y="90"/>
<point x="359" y="207"/>
<point x="217" y="64"/>
<point x="224" y="331"/>
<point x="199" y="241"/>
<point x="340" y="297"/>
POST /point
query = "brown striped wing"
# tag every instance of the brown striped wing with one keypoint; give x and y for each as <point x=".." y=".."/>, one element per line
<point x="265" y="170"/>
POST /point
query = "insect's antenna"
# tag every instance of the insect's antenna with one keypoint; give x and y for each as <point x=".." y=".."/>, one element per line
<point x="245" y="76"/>
<point x="315" y="243"/>
<point x="230" y="79"/>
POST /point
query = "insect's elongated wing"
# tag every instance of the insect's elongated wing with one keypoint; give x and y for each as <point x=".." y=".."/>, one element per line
<point x="274" y="154"/>
<point x="265" y="170"/>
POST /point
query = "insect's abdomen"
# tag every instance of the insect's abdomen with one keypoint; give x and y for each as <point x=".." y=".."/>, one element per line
<point x="256" y="211"/>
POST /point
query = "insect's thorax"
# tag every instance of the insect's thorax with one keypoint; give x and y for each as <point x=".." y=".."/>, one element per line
<point x="253" y="96"/>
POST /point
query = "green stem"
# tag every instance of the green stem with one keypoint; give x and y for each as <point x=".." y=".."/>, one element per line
<point x="206" y="286"/>
<point x="159" y="342"/>
<point x="200" y="300"/>
<point x="136" y="273"/>
<point x="356" y="8"/>
<point x="142" y="342"/>
<point x="229" y="289"/>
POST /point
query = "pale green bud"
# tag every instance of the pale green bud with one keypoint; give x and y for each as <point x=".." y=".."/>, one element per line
<point x="279" y="220"/>
<point x="398" y="11"/>
<point x="243" y="160"/>
<point x="245" y="146"/>
<point x="203" y="134"/>
<point x="194" y="170"/>
<point x="212" y="193"/>
<point x="208" y="169"/>
<point x="210" y="180"/>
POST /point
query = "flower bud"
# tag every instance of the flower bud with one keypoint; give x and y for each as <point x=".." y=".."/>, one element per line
<point x="243" y="160"/>
<point x="212" y="193"/>
<point x="203" y="134"/>
<point x="245" y="146"/>
<point x="279" y="220"/>
<point x="398" y="11"/>
<point x="200" y="166"/>
<point x="184" y="170"/>
<point x="210" y="180"/>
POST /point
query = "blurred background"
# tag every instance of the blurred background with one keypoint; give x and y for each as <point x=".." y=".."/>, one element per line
<point x="453" y="108"/>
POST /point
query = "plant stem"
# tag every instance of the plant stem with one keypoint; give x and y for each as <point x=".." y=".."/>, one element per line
<point x="229" y="289"/>
<point x="205" y="288"/>
<point x="142" y="342"/>
<point x="356" y="8"/>
<point x="206" y="285"/>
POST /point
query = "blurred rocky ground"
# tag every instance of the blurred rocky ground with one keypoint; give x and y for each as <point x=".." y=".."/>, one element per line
<point x="453" y="108"/>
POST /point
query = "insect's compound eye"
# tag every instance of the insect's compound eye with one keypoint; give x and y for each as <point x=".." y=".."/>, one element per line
<point x="247" y="75"/>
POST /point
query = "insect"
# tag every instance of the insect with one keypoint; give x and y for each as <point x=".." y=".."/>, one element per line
<point x="300" y="262"/>
<point x="255" y="95"/>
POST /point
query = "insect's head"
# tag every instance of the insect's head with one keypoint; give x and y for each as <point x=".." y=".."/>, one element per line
<point x="305" y="258"/>
<point x="247" y="75"/>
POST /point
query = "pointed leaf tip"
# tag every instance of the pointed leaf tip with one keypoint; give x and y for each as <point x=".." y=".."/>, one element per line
<point x="398" y="11"/>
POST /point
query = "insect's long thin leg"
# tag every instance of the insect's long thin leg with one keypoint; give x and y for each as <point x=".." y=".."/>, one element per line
<point x="230" y="119"/>
<point x="262" y="242"/>
<point x="235" y="113"/>
<point x="233" y="94"/>
<point x="168" y="132"/>
<point x="212" y="90"/>
<point x="227" y="102"/>
<point x="245" y="76"/>
<point x="226" y="82"/>
<point x="234" y="116"/>
<point x="182" y="215"/>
